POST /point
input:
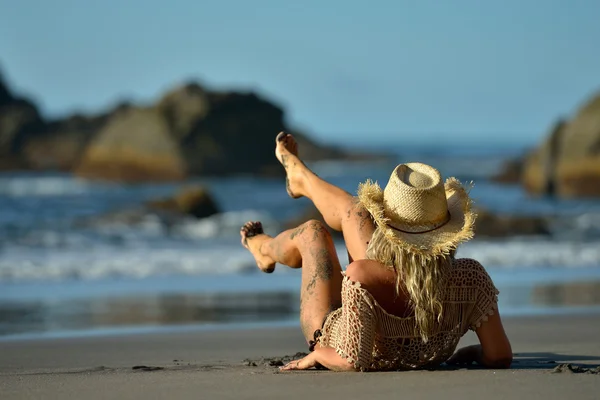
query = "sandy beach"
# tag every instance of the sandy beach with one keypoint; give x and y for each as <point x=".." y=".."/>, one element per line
<point x="234" y="364"/>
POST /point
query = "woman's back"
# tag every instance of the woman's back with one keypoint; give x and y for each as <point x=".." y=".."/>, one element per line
<point x="380" y="281"/>
<point x="377" y="332"/>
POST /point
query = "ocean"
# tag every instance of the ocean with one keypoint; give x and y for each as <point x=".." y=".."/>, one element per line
<point x="82" y="258"/>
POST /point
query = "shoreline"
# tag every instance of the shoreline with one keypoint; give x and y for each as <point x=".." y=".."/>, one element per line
<point x="94" y="309"/>
<point x="219" y="364"/>
<point x="290" y="322"/>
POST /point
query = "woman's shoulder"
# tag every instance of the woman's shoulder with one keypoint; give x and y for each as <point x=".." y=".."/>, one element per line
<point x="363" y="271"/>
<point x="378" y="282"/>
<point x="467" y="264"/>
<point x="370" y="274"/>
<point x="470" y="272"/>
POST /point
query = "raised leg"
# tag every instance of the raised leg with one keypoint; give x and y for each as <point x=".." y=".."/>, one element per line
<point x="311" y="248"/>
<point x="338" y="208"/>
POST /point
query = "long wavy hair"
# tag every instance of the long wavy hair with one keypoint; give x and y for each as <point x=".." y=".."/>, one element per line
<point x="424" y="277"/>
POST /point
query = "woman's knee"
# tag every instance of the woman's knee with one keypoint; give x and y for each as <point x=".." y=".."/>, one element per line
<point x="315" y="229"/>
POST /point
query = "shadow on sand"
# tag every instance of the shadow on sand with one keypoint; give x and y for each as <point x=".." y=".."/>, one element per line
<point x="522" y="361"/>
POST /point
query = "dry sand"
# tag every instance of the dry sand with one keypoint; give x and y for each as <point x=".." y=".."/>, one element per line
<point x="210" y="365"/>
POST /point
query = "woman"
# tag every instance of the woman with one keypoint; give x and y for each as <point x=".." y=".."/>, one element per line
<point x="404" y="301"/>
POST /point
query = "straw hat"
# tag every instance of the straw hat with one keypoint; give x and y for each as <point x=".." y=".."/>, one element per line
<point x="418" y="212"/>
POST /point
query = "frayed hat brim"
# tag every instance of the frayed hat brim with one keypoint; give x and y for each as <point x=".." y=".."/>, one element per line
<point x="440" y="241"/>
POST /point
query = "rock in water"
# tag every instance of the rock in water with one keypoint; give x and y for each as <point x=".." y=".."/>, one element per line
<point x="190" y="131"/>
<point x="489" y="224"/>
<point x="195" y="201"/>
<point x="183" y="108"/>
<point x="61" y="143"/>
<point x="511" y="172"/>
<point x="135" y="145"/>
<point x="578" y="169"/>
<point x="237" y="135"/>
<point x="18" y="117"/>
<point x="567" y="164"/>
<point x="539" y="168"/>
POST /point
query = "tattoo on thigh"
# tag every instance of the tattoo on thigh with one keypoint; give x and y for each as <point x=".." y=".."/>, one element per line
<point x="309" y="291"/>
<point x="310" y="288"/>
<point x="318" y="230"/>
<point x="298" y="231"/>
<point x="324" y="267"/>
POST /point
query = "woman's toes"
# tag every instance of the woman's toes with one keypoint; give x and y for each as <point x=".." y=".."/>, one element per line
<point x="248" y="232"/>
<point x="250" y="229"/>
<point x="244" y="235"/>
<point x="281" y="136"/>
<point x="289" y="142"/>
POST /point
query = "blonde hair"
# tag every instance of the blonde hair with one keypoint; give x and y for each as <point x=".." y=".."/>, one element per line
<point x="422" y="276"/>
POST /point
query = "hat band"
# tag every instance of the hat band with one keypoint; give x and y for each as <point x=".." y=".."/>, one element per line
<point x="426" y="231"/>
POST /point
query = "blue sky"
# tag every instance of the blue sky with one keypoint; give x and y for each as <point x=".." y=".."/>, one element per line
<point x="461" y="71"/>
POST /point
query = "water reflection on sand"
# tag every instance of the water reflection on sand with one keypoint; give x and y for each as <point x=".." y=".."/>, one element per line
<point x="567" y="294"/>
<point x="159" y="310"/>
<point x="173" y="309"/>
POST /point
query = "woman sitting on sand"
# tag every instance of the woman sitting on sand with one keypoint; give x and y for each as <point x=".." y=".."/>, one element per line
<point x="404" y="301"/>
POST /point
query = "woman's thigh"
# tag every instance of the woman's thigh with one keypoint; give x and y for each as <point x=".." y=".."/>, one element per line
<point x="321" y="277"/>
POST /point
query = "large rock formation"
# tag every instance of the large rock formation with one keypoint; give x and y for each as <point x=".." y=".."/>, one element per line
<point x="567" y="164"/>
<point x="236" y="135"/>
<point x="27" y="141"/>
<point x="18" y="116"/>
<point x="59" y="145"/>
<point x="134" y="145"/>
<point x="189" y="131"/>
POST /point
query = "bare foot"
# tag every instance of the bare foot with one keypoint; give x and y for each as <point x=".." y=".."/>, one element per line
<point x="286" y="151"/>
<point x="253" y="237"/>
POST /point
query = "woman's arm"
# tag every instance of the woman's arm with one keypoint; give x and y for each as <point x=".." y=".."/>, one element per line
<point x="325" y="356"/>
<point x="466" y="356"/>
<point x="493" y="352"/>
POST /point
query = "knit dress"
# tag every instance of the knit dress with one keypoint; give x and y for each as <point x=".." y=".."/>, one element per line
<point x="362" y="332"/>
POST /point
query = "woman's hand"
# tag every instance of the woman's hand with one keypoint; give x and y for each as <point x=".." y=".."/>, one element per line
<point x="466" y="356"/>
<point x="322" y="357"/>
<point x="304" y="363"/>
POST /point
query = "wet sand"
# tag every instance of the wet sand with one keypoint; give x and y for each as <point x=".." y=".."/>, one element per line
<point x="211" y="365"/>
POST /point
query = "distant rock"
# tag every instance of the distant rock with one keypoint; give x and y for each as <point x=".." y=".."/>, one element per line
<point x="510" y="173"/>
<point x="567" y="163"/>
<point x="539" y="167"/>
<point x="489" y="224"/>
<point x="195" y="201"/>
<point x="18" y="117"/>
<point x="134" y="145"/>
<point x="190" y="131"/>
<point x="166" y="213"/>
<point x="237" y="135"/>
<point x="60" y="144"/>
<point x="183" y="107"/>
<point x="5" y="96"/>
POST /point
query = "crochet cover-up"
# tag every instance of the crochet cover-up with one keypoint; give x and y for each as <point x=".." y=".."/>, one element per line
<point x="372" y="339"/>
